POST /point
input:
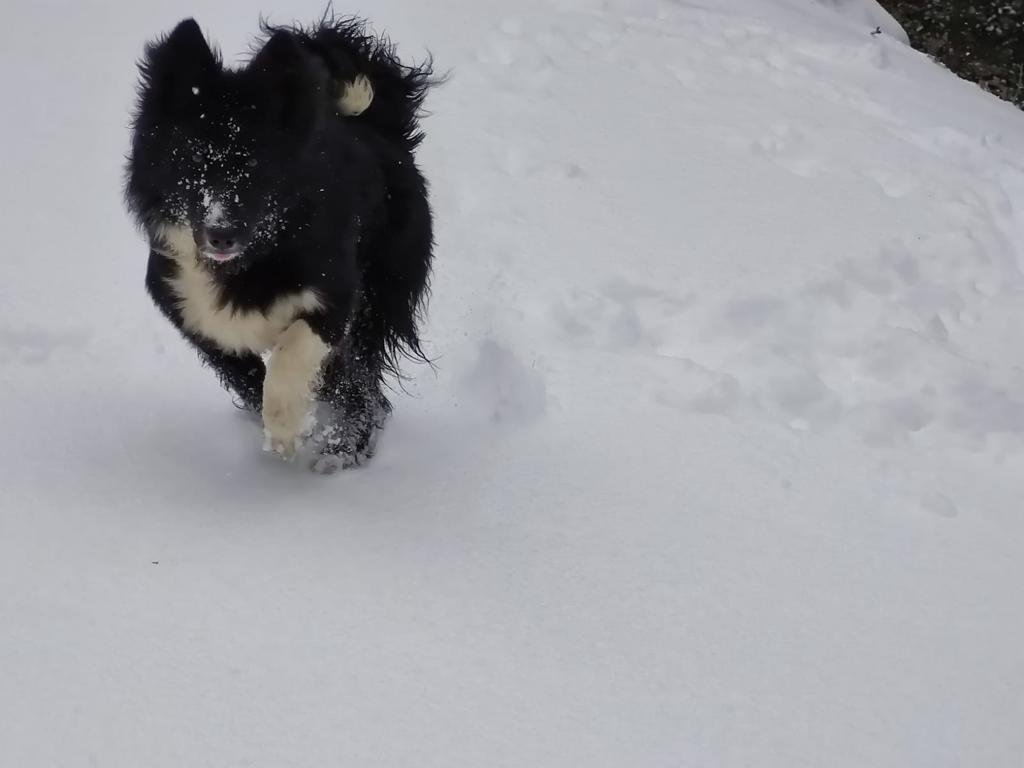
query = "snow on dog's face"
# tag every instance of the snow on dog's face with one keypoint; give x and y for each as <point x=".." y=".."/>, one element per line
<point x="217" y="154"/>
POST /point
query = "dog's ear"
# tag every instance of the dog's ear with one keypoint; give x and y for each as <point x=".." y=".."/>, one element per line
<point x="294" y="84"/>
<point x="176" y="67"/>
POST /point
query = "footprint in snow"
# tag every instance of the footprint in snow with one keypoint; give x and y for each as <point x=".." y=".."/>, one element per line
<point x="697" y="389"/>
<point x="939" y="504"/>
<point x="893" y="183"/>
<point x="621" y="315"/>
<point x="791" y="148"/>
<point x="35" y="345"/>
<point x="503" y="387"/>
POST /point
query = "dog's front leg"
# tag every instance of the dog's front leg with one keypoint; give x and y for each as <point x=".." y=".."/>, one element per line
<point x="293" y="375"/>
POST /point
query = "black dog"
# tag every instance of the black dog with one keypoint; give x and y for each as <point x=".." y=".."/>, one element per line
<point x="286" y="215"/>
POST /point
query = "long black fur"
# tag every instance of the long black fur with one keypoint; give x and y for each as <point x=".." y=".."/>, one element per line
<point x="326" y="202"/>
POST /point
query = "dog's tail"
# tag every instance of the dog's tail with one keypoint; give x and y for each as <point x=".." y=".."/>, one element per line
<point x="353" y="55"/>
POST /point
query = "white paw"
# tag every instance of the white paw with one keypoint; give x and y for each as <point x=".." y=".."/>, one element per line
<point x="286" y="421"/>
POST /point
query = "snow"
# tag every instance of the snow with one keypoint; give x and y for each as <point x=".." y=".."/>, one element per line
<point x="721" y="463"/>
<point x="216" y="215"/>
<point x="867" y="13"/>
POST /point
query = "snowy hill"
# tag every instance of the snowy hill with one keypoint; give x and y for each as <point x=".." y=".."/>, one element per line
<point x="722" y="463"/>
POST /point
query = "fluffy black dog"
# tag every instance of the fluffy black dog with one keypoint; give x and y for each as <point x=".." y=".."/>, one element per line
<point x="286" y="215"/>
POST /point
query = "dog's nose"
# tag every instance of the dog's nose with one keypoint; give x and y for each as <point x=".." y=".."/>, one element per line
<point x="223" y="239"/>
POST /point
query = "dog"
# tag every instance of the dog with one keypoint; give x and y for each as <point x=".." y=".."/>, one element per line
<point x="286" y="216"/>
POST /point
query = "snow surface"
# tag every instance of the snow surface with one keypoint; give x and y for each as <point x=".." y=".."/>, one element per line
<point x="722" y="463"/>
<point x="865" y="13"/>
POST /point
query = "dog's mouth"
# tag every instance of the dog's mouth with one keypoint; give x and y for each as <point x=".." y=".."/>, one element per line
<point x="220" y="256"/>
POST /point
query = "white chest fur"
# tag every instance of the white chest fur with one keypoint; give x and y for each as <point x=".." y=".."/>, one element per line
<point x="230" y="327"/>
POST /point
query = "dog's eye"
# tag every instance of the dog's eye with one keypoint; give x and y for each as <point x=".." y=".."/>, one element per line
<point x="252" y="162"/>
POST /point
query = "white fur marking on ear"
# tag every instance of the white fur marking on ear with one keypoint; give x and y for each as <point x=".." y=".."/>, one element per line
<point x="292" y="376"/>
<point x="202" y="310"/>
<point x="357" y="97"/>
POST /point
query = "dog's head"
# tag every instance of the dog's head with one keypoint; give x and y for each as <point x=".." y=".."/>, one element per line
<point x="217" y="154"/>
